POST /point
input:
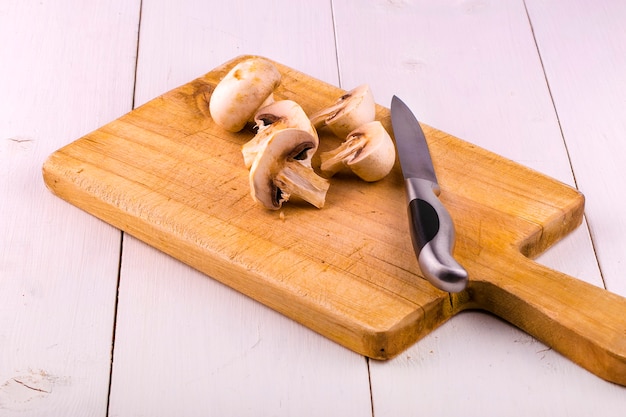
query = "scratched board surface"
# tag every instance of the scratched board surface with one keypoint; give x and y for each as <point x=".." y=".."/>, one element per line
<point x="168" y="175"/>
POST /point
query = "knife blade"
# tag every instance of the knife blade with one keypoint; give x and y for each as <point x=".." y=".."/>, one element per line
<point x="431" y="227"/>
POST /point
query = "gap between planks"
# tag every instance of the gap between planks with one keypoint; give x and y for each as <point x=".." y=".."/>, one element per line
<point x="119" y="262"/>
<point x="558" y="120"/>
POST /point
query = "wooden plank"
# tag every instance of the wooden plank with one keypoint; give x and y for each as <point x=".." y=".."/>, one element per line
<point x="505" y="364"/>
<point x="588" y="85"/>
<point x="58" y="266"/>
<point x="471" y="68"/>
<point x="478" y="365"/>
<point x="185" y="344"/>
<point x="299" y="37"/>
<point x="196" y="347"/>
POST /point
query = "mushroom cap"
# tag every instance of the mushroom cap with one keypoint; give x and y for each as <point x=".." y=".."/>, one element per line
<point x="242" y="91"/>
<point x="368" y="151"/>
<point x="353" y="109"/>
<point x="282" y="114"/>
<point x="287" y="112"/>
<point x="281" y="150"/>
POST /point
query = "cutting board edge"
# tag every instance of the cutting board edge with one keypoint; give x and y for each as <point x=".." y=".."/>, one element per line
<point x="376" y="343"/>
<point x="370" y="341"/>
<point x="556" y="228"/>
<point x="581" y="321"/>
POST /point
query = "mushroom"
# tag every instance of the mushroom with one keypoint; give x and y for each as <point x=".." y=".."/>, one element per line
<point x="246" y="87"/>
<point x="279" y="115"/>
<point x="350" y="111"/>
<point x="277" y="174"/>
<point x="368" y="151"/>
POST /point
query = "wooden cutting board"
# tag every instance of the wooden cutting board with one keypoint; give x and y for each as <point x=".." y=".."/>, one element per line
<point x="166" y="174"/>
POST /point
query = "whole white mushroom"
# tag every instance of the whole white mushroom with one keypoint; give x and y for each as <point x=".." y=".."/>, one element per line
<point x="248" y="86"/>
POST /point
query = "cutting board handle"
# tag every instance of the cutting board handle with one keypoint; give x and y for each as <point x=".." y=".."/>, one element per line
<point x="581" y="321"/>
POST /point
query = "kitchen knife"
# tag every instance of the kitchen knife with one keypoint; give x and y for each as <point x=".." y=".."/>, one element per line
<point x="431" y="227"/>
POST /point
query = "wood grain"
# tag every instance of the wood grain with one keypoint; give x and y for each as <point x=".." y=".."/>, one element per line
<point x="471" y="68"/>
<point x="217" y="351"/>
<point x="167" y="175"/>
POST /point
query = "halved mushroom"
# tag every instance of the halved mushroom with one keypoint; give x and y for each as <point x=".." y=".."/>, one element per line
<point x="277" y="174"/>
<point x="368" y="151"/>
<point x="282" y="114"/>
<point x="247" y="86"/>
<point x="353" y="109"/>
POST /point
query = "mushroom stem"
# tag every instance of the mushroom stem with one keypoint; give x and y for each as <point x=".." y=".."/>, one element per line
<point x="334" y="161"/>
<point x="350" y="111"/>
<point x="296" y="179"/>
<point x="279" y="171"/>
<point x="368" y="151"/>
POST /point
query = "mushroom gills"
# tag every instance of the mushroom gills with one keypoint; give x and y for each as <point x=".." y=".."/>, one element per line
<point x="282" y="114"/>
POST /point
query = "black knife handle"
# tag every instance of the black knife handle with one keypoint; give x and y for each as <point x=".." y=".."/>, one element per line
<point x="432" y="234"/>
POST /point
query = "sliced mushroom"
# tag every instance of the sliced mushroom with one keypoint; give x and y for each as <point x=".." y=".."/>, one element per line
<point x="368" y="151"/>
<point x="353" y="109"/>
<point x="279" y="115"/>
<point x="247" y="86"/>
<point x="276" y="174"/>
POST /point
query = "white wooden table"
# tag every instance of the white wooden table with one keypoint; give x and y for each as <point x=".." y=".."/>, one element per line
<point x="96" y="323"/>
